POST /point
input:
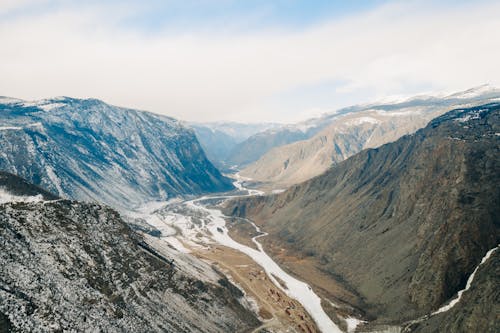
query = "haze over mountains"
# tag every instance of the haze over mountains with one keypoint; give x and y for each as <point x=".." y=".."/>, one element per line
<point x="220" y="140"/>
<point x="287" y="154"/>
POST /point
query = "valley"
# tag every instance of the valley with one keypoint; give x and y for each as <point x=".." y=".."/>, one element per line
<point x="296" y="166"/>
<point x="202" y="230"/>
<point x="394" y="237"/>
<point x="403" y="250"/>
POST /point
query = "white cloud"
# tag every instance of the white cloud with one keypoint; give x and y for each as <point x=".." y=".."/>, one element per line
<point x="395" y="49"/>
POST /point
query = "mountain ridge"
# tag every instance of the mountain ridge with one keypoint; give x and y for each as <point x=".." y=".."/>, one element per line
<point x="364" y="126"/>
<point x="423" y="208"/>
<point x="89" y="150"/>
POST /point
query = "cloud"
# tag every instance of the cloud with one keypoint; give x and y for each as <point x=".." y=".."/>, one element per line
<point x="398" y="48"/>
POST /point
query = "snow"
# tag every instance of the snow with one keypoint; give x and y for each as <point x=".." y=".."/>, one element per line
<point x="352" y="323"/>
<point x="176" y="244"/>
<point x="363" y="120"/>
<point x="6" y="128"/>
<point x="18" y="128"/>
<point x="406" y="112"/>
<point x="476" y="92"/>
<point x="453" y="302"/>
<point x="473" y="115"/>
<point x="182" y="232"/>
<point x="296" y="289"/>
<point x="44" y="104"/>
<point x="5" y="197"/>
<point x="55" y="180"/>
<point x="9" y="100"/>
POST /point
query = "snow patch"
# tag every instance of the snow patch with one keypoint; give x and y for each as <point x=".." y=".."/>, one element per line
<point x="55" y="180"/>
<point x="13" y="128"/>
<point x="352" y="323"/>
<point x="469" y="283"/>
<point x="5" y="197"/>
<point x="9" y="100"/>
<point x="473" y="115"/>
<point x="362" y="120"/>
<point x="18" y="128"/>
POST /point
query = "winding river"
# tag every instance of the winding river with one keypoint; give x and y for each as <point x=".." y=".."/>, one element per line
<point x="296" y="289"/>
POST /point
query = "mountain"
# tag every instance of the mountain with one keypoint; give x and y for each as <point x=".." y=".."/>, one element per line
<point x="260" y="143"/>
<point x="86" y="149"/>
<point x="348" y="134"/>
<point x="218" y="139"/>
<point x="402" y="226"/>
<point x="73" y="266"/>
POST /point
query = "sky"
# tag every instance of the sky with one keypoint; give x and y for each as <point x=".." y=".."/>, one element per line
<point x="247" y="60"/>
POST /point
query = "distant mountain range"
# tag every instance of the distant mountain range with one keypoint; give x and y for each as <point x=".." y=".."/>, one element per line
<point x="315" y="138"/>
<point x="402" y="226"/>
<point x="86" y="149"/>
<point x="362" y="127"/>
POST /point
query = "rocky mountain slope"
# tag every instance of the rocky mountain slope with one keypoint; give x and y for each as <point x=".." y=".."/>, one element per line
<point x="348" y="134"/>
<point x="403" y="225"/>
<point x="72" y="266"/>
<point x="478" y="308"/>
<point x="86" y="149"/>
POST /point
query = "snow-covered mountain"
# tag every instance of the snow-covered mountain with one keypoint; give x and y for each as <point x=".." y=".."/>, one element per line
<point x="352" y="130"/>
<point x="259" y="144"/>
<point x="86" y="149"/>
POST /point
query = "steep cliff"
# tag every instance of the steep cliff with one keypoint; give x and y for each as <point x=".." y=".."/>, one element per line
<point x="403" y="225"/>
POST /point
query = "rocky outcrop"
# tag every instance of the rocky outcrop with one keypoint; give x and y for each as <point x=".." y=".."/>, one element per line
<point x="403" y="225"/>
<point x="89" y="150"/>
<point x="72" y="266"/>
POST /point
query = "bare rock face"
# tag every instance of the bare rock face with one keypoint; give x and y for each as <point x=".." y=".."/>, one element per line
<point x="403" y="225"/>
<point x="72" y="266"/>
<point x="85" y="149"/>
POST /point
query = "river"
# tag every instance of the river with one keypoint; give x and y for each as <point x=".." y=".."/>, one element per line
<point x="296" y="289"/>
<point x="211" y="222"/>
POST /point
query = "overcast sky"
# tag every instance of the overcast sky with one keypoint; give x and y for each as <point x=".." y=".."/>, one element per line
<point x="245" y="60"/>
